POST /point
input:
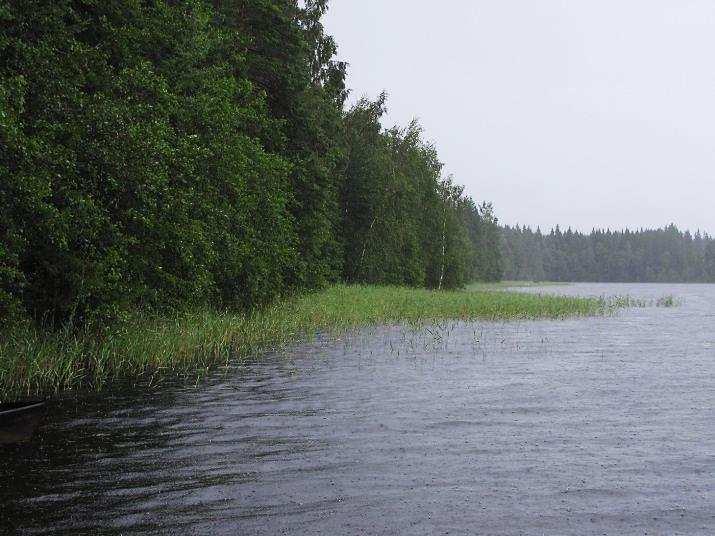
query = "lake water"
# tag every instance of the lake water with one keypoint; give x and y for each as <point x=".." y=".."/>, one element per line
<point x="585" y="426"/>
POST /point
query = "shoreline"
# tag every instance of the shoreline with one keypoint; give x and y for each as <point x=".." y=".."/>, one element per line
<point x="34" y="363"/>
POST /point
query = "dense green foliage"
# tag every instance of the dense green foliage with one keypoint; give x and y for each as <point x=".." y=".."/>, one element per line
<point x="189" y="152"/>
<point x="485" y="236"/>
<point x="403" y="223"/>
<point x="660" y="255"/>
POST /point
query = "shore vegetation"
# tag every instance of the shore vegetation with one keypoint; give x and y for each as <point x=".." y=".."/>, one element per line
<point x="147" y="348"/>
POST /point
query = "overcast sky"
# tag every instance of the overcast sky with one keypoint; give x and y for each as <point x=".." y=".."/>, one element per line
<point x="578" y="112"/>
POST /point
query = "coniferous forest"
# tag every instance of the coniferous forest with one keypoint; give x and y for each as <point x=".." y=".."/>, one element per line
<point x="659" y="255"/>
<point x="170" y="154"/>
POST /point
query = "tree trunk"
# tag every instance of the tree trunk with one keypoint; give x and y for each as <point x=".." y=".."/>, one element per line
<point x="444" y="249"/>
<point x="364" y="245"/>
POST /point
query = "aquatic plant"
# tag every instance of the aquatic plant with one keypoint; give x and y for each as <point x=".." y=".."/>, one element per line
<point x="624" y="301"/>
<point x="147" y="347"/>
<point x="627" y="301"/>
<point x="669" y="301"/>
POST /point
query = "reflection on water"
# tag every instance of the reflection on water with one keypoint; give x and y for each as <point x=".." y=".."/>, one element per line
<point x="602" y="425"/>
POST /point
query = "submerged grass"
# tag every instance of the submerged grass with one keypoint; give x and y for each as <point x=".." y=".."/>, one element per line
<point x="147" y="348"/>
<point x="628" y="301"/>
<point x="669" y="301"/>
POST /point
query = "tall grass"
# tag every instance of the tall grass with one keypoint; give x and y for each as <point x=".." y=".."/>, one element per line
<point x="33" y="362"/>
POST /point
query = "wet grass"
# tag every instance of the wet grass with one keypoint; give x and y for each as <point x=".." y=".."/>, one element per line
<point x="668" y="301"/>
<point x="627" y="301"/>
<point x="147" y="348"/>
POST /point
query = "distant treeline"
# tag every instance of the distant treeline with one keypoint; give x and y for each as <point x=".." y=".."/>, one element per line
<point x="190" y="152"/>
<point x="660" y="255"/>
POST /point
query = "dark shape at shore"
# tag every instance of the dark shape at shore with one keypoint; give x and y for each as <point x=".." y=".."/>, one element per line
<point x="19" y="421"/>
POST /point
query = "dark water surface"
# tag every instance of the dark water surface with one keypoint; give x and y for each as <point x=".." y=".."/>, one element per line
<point x="596" y="426"/>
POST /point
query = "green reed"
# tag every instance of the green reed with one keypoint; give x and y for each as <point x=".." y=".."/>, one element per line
<point x="148" y="347"/>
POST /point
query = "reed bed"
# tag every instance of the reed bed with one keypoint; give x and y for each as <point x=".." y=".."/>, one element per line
<point x="147" y="347"/>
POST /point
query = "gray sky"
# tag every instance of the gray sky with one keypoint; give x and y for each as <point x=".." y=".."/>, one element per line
<point x="578" y="112"/>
